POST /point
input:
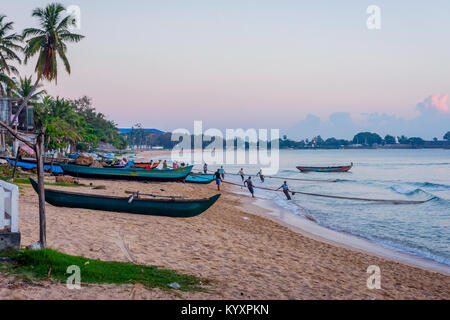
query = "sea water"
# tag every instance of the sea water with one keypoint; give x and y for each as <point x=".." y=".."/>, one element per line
<point x="413" y="174"/>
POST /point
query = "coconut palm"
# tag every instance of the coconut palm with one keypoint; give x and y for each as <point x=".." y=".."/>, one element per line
<point x="9" y="45"/>
<point x="48" y="42"/>
<point x="24" y="87"/>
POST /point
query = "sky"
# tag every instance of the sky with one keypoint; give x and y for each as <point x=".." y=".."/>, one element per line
<point x="259" y="64"/>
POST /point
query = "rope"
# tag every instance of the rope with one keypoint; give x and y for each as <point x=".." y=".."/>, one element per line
<point x="274" y="177"/>
<point x="341" y="197"/>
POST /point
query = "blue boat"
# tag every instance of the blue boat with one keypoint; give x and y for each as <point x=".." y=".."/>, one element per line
<point x="30" y="166"/>
<point x="178" y="174"/>
<point x="203" y="179"/>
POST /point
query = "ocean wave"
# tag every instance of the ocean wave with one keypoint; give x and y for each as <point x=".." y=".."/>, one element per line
<point x="429" y="186"/>
<point x="406" y="190"/>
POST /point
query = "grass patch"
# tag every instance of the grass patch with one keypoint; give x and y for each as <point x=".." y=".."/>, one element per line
<point x="42" y="263"/>
<point x="18" y="181"/>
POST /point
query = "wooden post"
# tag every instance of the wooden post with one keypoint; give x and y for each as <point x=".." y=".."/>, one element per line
<point x="39" y="149"/>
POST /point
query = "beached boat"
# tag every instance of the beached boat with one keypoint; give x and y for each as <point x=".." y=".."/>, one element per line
<point x="147" y="166"/>
<point x="202" y="179"/>
<point x="127" y="173"/>
<point x="170" y="207"/>
<point x="28" y="165"/>
<point x="326" y="169"/>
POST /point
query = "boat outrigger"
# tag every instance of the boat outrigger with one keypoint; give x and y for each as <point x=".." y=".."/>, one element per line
<point x="157" y="205"/>
<point x="127" y="173"/>
<point x="326" y="169"/>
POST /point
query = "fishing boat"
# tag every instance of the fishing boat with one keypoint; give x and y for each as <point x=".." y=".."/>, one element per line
<point x="326" y="169"/>
<point x="202" y="179"/>
<point x="157" y="206"/>
<point x="127" y="173"/>
<point x="28" y="165"/>
<point x="147" y="166"/>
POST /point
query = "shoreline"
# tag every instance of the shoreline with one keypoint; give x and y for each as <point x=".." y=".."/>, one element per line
<point x="320" y="233"/>
<point x="236" y="244"/>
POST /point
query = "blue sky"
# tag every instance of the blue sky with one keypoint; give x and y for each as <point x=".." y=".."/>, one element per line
<point x="254" y="63"/>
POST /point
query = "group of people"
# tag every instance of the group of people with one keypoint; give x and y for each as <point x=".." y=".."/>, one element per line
<point x="219" y="176"/>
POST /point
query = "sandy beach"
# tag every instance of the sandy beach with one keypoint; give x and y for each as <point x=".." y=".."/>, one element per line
<point x="245" y="255"/>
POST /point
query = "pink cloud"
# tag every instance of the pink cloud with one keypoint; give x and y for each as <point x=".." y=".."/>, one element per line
<point x="437" y="102"/>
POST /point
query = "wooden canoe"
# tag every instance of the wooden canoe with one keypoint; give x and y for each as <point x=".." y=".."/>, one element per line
<point x="325" y="169"/>
<point x="169" y="207"/>
<point x="127" y="173"/>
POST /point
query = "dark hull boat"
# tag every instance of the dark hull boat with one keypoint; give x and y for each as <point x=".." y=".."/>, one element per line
<point x="326" y="169"/>
<point x="169" y="207"/>
<point x="127" y="173"/>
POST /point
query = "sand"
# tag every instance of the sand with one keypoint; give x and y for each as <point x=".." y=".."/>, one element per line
<point x="245" y="256"/>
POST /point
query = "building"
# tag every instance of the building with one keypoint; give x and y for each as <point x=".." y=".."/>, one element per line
<point x="24" y="123"/>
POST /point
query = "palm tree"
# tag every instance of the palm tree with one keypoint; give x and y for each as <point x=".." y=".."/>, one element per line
<point x="7" y="83"/>
<point x="24" y="87"/>
<point x="9" y="46"/>
<point x="48" y="42"/>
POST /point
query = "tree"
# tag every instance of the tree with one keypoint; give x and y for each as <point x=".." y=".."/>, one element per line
<point x="23" y="90"/>
<point x="63" y="124"/>
<point x="403" y="140"/>
<point x="49" y="42"/>
<point x="415" y="141"/>
<point x="9" y="48"/>
<point x="388" y="139"/>
<point x="367" y="138"/>
<point x="447" y="136"/>
<point x="97" y="128"/>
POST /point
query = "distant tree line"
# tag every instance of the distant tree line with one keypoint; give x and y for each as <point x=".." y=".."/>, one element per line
<point x="141" y="138"/>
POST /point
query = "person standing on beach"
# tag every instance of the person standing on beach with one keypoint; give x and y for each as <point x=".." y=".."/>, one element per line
<point x="222" y="172"/>
<point x="241" y="173"/>
<point x="205" y="168"/>
<point x="285" y="190"/>
<point x="250" y="186"/>
<point x="218" y="179"/>
<point x="260" y="174"/>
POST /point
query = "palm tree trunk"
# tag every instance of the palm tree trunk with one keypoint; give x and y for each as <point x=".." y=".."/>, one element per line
<point x="39" y="149"/>
<point x="25" y="101"/>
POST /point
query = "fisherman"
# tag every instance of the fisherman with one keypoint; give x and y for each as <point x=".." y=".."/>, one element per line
<point x="165" y="164"/>
<point x="285" y="190"/>
<point x="250" y="186"/>
<point x="222" y="172"/>
<point x="218" y="179"/>
<point x="205" y="168"/>
<point x="123" y="162"/>
<point x="241" y="173"/>
<point x="260" y="174"/>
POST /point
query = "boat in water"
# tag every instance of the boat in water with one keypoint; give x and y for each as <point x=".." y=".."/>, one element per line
<point x="127" y="173"/>
<point x="326" y="169"/>
<point x="157" y="206"/>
